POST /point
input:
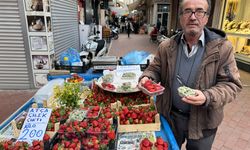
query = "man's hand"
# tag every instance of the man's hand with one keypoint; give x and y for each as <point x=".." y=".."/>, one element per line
<point x="198" y="99"/>
<point x="142" y="81"/>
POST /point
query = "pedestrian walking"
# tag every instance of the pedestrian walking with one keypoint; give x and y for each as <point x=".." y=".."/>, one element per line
<point x="129" y="27"/>
<point x="202" y="59"/>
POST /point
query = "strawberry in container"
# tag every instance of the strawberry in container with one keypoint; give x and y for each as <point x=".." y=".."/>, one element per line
<point x="93" y="112"/>
<point x="101" y="128"/>
<point x="146" y="144"/>
<point x="73" y="144"/>
<point x="74" y="129"/>
<point x="75" y="78"/>
<point x="160" y="144"/>
<point x="151" y="88"/>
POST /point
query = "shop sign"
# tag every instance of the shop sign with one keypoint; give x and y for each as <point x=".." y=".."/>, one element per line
<point x="35" y="124"/>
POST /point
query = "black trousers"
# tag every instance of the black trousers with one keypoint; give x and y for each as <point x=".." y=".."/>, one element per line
<point x="128" y="33"/>
<point x="181" y="125"/>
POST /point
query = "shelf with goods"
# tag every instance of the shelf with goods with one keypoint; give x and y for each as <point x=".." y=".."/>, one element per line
<point x="40" y="38"/>
<point x="236" y="24"/>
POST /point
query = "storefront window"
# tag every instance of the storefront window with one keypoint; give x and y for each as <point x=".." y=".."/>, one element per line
<point x="236" y="23"/>
<point x="236" y="17"/>
<point x="163" y="8"/>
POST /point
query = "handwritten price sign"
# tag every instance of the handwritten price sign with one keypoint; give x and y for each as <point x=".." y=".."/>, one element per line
<point x="35" y="124"/>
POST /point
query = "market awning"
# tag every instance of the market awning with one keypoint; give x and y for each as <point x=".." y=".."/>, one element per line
<point x="120" y="11"/>
<point x="136" y="5"/>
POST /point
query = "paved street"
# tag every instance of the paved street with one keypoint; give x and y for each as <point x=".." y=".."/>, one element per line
<point x="233" y="134"/>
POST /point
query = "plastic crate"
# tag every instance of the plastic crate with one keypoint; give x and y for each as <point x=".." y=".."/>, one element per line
<point x="72" y="69"/>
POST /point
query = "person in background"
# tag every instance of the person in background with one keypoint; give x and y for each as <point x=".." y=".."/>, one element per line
<point x="202" y="59"/>
<point x="129" y="27"/>
<point x="158" y="24"/>
<point x="153" y="34"/>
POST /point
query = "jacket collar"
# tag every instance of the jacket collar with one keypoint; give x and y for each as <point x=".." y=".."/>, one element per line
<point x="213" y="37"/>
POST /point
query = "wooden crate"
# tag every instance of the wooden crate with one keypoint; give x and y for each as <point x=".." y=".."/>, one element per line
<point x="140" y="127"/>
<point x="118" y="104"/>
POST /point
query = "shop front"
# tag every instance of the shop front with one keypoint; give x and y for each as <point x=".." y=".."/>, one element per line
<point x="235" y="21"/>
<point x="32" y="35"/>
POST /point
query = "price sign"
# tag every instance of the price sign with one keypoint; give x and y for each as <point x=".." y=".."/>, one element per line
<point x="129" y="68"/>
<point x="35" y="124"/>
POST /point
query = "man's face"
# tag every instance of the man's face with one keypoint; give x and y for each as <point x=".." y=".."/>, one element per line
<point x="193" y="23"/>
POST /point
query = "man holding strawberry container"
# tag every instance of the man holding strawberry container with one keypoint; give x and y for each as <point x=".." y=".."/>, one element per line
<point x="198" y="70"/>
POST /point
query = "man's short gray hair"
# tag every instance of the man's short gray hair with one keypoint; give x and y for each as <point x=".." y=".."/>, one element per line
<point x="208" y="9"/>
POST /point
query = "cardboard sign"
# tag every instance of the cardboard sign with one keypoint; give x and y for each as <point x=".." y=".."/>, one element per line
<point x="35" y="124"/>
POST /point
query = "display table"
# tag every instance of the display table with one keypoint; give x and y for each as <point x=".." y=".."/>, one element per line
<point x="6" y="131"/>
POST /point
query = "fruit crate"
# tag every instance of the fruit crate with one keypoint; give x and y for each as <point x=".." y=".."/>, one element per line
<point x="72" y="69"/>
<point x="93" y="112"/>
<point x="118" y="104"/>
<point x="61" y="137"/>
<point x="140" y="127"/>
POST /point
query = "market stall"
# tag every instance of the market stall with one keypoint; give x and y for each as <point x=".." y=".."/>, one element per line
<point x="109" y="115"/>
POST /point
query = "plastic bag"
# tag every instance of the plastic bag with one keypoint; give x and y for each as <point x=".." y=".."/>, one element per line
<point x="134" y="57"/>
<point x="45" y="92"/>
<point x="69" y="57"/>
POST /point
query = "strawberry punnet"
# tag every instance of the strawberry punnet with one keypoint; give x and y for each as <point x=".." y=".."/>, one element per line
<point x="137" y="115"/>
<point x="160" y="144"/>
<point x="146" y="144"/>
<point x="151" y="86"/>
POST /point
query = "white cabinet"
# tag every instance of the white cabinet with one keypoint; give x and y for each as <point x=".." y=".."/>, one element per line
<point x="84" y="31"/>
<point x="40" y="38"/>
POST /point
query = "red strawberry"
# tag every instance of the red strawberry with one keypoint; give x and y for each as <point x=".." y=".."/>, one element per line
<point x="96" y="108"/>
<point x="111" y="134"/>
<point x="95" y="123"/>
<point x="56" y="146"/>
<point x="134" y="115"/>
<point x="145" y="142"/>
<point x="165" y="145"/>
<point x="83" y="124"/>
<point x="35" y="143"/>
<point x="96" y="146"/>
<point x="72" y="145"/>
<point x="98" y="130"/>
<point x="46" y="137"/>
<point x="159" y="141"/>
<point x="125" y="110"/>
<point x="108" y="115"/>
<point x="66" y="143"/>
<point x="69" y="129"/>
<point x="37" y="147"/>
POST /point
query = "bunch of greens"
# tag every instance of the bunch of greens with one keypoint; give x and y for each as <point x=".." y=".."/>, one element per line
<point x="68" y="95"/>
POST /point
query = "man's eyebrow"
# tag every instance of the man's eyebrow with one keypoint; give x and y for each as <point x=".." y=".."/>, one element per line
<point x="194" y="10"/>
<point x="199" y="9"/>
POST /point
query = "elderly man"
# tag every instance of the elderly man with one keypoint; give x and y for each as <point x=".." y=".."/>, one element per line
<point x="202" y="59"/>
